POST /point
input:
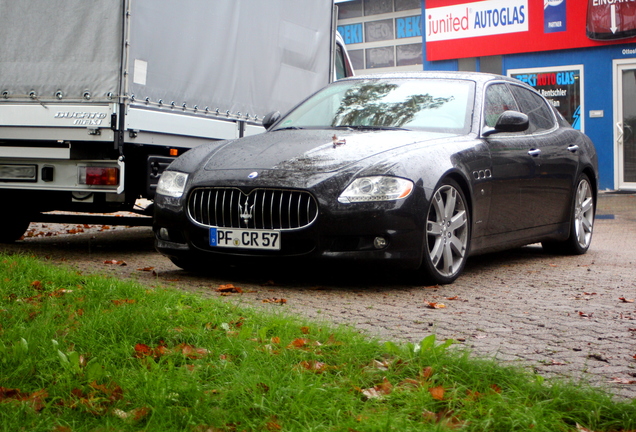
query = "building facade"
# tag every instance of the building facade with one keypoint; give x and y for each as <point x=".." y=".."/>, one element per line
<point x="382" y="35"/>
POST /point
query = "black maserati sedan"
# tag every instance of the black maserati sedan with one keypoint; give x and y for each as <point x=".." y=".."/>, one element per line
<point x="418" y="170"/>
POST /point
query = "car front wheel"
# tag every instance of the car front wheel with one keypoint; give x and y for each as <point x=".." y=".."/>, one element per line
<point x="447" y="235"/>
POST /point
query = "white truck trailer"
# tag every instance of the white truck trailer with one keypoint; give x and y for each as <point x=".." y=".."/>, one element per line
<point x="98" y="97"/>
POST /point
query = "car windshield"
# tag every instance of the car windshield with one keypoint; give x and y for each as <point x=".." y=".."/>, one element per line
<point x="440" y="105"/>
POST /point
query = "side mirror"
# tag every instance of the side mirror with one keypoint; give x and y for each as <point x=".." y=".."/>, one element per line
<point x="509" y="121"/>
<point x="270" y="119"/>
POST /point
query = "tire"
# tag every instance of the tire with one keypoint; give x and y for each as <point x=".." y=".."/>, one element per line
<point x="447" y="234"/>
<point x="14" y="226"/>
<point x="581" y="222"/>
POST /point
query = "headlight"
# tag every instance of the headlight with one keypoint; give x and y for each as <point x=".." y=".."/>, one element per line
<point x="380" y="188"/>
<point x="172" y="183"/>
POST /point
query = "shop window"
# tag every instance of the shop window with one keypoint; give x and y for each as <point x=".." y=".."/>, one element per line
<point x="376" y="7"/>
<point x="380" y="57"/>
<point x="467" y="64"/>
<point x="350" y="9"/>
<point x="375" y="31"/>
<point x="357" y="59"/>
<point x="407" y="55"/>
<point x="491" y="64"/>
<point x="402" y="5"/>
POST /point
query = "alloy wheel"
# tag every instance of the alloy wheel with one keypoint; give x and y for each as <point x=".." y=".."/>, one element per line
<point x="447" y="232"/>
<point x="584" y="214"/>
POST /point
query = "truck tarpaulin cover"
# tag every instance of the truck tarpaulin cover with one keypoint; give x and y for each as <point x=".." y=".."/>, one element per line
<point x="72" y="46"/>
<point x="235" y="55"/>
<point x="210" y="60"/>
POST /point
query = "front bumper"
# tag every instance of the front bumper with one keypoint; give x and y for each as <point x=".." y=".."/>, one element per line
<point x="344" y="232"/>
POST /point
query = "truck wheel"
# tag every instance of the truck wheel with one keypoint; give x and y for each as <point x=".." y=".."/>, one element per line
<point x="13" y="227"/>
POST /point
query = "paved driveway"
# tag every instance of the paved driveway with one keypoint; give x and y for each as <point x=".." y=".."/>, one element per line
<point x="566" y="316"/>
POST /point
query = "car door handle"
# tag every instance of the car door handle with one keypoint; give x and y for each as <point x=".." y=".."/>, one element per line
<point x="573" y="148"/>
<point x="534" y="152"/>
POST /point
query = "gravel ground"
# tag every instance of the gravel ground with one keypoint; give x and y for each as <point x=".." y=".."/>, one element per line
<point x="562" y="316"/>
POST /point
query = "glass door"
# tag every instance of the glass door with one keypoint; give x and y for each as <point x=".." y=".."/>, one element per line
<point x="625" y="130"/>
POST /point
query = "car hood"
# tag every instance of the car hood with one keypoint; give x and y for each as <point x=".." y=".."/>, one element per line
<point x="311" y="150"/>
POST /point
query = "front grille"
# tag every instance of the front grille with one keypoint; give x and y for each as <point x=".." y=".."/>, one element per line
<point x="276" y="209"/>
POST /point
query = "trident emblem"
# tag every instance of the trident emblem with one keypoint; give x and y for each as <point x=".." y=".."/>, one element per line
<point x="246" y="211"/>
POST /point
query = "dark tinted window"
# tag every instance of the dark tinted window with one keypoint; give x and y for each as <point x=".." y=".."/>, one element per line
<point x="537" y="110"/>
<point x="498" y="100"/>
<point x="341" y="68"/>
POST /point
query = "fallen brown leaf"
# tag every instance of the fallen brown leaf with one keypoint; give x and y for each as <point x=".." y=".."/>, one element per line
<point x="275" y="300"/>
<point x="622" y="381"/>
<point x="378" y="391"/>
<point x="116" y="262"/>
<point x="123" y="301"/>
<point x="437" y="392"/>
<point x="434" y="305"/>
<point x="302" y="342"/>
<point x="36" y="399"/>
<point x="426" y="373"/>
<point x="314" y="366"/>
<point x="229" y="288"/>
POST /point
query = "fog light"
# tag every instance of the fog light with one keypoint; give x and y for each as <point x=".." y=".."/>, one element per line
<point x="163" y="234"/>
<point x="379" y="242"/>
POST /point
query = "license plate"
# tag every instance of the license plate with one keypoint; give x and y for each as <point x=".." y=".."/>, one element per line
<point x="245" y="239"/>
<point x="18" y="172"/>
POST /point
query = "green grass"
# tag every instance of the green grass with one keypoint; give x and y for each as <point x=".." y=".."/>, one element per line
<point x="86" y="353"/>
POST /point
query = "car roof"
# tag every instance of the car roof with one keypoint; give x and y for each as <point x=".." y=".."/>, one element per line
<point x="481" y="77"/>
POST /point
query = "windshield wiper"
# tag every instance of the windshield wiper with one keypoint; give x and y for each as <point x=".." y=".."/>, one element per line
<point x="369" y="127"/>
<point x="286" y="128"/>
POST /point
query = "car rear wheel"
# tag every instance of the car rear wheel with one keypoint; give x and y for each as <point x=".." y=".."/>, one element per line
<point x="582" y="222"/>
<point x="447" y="235"/>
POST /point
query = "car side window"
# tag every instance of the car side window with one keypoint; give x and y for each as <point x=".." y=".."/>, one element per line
<point x="536" y="108"/>
<point x="498" y="100"/>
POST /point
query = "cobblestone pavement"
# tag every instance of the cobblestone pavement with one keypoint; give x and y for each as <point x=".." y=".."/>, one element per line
<point x="563" y="316"/>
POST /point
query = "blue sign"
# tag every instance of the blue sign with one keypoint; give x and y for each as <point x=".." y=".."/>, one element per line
<point x="408" y="27"/>
<point x="554" y="16"/>
<point x="351" y="34"/>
